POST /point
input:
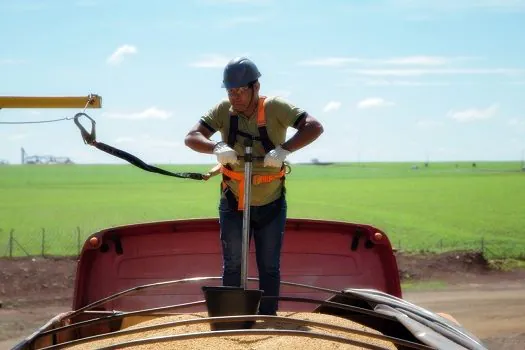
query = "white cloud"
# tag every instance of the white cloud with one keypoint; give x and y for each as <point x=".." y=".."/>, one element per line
<point x="388" y="72"/>
<point x="211" y="61"/>
<point x="473" y="114"/>
<point x="332" y="106"/>
<point x="420" y="60"/>
<point x="421" y="72"/>
<point x="330" y="61"/>
<point x="373" y="102"/>
<point x="385" y="82"/>
<point x="118" y="56"/>
<point x="423" y="60"/>
<point x="149" y="113"/>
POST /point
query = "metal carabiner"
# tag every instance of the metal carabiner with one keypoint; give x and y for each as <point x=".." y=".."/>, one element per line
<point x="89" y="138"/>
<point x="288" y="168"/>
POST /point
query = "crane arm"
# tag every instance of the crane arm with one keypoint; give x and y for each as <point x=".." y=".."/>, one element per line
<point x="89" y="101"/>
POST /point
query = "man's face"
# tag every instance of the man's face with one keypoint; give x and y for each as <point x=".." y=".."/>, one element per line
<point x="240" y="98"/>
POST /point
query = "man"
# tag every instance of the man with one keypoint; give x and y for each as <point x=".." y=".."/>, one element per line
<point x="265" y="120"/>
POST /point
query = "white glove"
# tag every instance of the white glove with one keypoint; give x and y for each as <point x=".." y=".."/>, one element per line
<point x="276" y="157"/>
<point x="225" y="154"/>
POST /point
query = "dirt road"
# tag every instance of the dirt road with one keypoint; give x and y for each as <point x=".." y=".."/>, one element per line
<point x="494" y="313"/>
<point x="16" y="324"/>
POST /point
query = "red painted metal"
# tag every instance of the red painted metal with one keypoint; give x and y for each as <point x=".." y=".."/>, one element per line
<point x="315" y="252"/>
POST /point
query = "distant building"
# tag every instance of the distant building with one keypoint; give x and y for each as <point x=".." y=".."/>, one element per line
<point x="45" y="159"/>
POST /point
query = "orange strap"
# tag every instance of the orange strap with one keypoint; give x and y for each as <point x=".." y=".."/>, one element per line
<point x="256" y="180"/>
<point x="261" y="117"/>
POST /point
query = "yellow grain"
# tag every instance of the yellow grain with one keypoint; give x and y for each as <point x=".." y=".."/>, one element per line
<point x="251" y="342"/>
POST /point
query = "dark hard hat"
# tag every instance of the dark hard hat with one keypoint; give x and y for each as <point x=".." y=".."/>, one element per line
<point x="239" y="72"/>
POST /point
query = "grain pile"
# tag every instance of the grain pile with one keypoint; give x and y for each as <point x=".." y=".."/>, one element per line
<point x="252" y="342"/>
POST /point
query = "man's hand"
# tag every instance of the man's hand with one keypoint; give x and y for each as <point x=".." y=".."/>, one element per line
<point x="225" y="155"/>
<point x="276" y="157"/>
<point x="216" y="170"/>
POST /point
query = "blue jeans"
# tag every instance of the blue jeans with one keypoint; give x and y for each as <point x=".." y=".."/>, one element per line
<point x="267" y="229"/>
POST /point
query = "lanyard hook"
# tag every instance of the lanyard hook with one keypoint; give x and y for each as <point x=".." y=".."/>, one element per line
<point x="89" y="138"/>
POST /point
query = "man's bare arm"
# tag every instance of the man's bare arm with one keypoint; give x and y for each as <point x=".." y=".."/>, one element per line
<point x="308" y="130"/>
<point x="198" y="139"/>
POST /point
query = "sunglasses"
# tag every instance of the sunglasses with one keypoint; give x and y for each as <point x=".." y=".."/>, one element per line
<point x="238" y="91"/>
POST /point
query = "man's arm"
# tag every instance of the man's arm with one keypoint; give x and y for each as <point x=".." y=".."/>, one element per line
<point x="198" y="139"/>
<point x="308" y="130"/>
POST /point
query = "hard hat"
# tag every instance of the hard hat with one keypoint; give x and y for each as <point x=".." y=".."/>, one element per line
<point x="239" y="72"/>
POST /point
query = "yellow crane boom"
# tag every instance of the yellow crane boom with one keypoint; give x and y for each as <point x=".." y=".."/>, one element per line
<point x="89" y="101"/>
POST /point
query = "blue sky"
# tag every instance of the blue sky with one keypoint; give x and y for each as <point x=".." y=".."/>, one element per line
<point x="391" y="80"/>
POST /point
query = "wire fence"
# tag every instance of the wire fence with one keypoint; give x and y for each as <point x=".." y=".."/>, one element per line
<point x="42" y="243"/>
<point x="491" y="249"/>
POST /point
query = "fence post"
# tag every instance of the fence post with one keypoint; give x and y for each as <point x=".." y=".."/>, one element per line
<point x="441" y="244"/>
<point x="43" y="241"/>
<point x="11" y="243"/>
<point x="482" y="245"/>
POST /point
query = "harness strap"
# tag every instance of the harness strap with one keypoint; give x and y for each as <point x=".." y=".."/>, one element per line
<point x="257" y="179"/>
<point x="232" y="132"/>
<point x="261" y="127"/>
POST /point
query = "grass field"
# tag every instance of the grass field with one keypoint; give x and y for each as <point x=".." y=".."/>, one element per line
<point x="439" y="207"/>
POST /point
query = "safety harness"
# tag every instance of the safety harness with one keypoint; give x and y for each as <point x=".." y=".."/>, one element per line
<point x="261" y="126"/>
<point x="233" y="133"/>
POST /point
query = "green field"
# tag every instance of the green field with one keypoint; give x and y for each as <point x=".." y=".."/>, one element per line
<point x="440" y="207"/>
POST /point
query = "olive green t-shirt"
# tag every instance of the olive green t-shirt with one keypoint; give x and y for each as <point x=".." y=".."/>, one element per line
<point x="280" y="115"/>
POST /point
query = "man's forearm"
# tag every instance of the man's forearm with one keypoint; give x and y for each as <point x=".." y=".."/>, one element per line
<point x="198" y="142"/>
<point x="307" y="134"/>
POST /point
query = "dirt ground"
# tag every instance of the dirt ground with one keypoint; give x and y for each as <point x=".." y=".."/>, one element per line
<point x="490" y="303"/>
